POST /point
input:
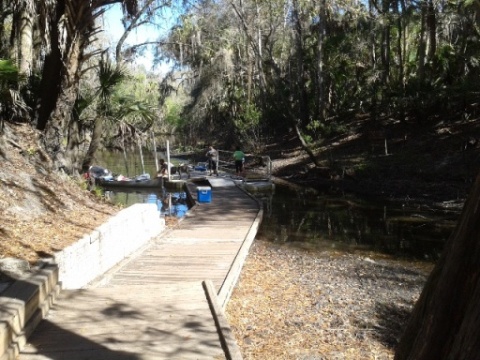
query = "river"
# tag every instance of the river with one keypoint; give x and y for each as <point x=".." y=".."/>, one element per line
<point x="318" y="221"/>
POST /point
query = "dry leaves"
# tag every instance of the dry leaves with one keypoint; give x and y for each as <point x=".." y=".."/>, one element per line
<point x="294" y="304"/>
<point x="41" y="212"/>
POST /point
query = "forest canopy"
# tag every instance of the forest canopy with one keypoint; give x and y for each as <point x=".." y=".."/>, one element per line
<point x="240" y="70"/>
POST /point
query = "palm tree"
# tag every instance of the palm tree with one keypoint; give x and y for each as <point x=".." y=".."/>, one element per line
<point x="137" y="113"/>
<point x="68" y="29"/>
<point x="11" y="103"/>
<point x="109" y="78"/>
<point x="134" y="119"/>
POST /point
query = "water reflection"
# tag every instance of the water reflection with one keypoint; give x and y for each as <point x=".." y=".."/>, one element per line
<point x="129" y="166"/>
<point x="325" y="221"/>
<point x="349" y="223"/>
<point x="168" y="203"/>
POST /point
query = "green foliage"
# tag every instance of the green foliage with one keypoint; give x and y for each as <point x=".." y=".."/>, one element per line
<point x="98" y="192"/>
<point x="318" y="129"/>
<point x="173" y="113"/>
<point x="248" y="120"/>
<point x="140" y="87"/>
<point x="247" y="125"/>
<point x="32" y="151"/>
<point x="12" y="105"/>
<point x="9" y="74"/>
<point x="322" y="63"/>
<point x="109" y="77"/>
<point x="368" y="170"/>
<point x="136" y="113"/>
<point x="126" y="103"/>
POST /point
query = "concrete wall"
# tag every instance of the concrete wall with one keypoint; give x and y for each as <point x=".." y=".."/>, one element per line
<point x="27" y="301"/>
<point x="110" y="243"/>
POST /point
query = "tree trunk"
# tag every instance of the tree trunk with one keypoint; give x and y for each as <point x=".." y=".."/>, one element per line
<point x="422" y="43"/>
<point x="445" y="323"/>
<point x="320" y="88"/>
<point x="69" y="35"/>
<point x="300" y="87"/>
<point x="385" y="44"/>
<point x="95" y="143"/>
<point x="24" y="36"/>
<point x="134" y="21"/>
<point x="305" y="146"/>
<point x="256" y="48"/>
<point x="432" y="31"/>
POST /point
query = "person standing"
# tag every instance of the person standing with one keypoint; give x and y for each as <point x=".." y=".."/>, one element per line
<point x="239" y="158"/>
<point x="212" y="156"/>
<point x="163" y="169"/>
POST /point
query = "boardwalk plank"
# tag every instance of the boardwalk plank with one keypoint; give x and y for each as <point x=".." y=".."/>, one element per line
<point x="153" y="306"/>
<point x="155" y="323"/>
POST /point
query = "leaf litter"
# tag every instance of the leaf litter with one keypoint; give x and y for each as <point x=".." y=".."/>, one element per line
<point x="292" y="303"/>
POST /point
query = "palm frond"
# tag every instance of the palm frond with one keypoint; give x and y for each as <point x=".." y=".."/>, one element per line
<point x="109" y="77"/>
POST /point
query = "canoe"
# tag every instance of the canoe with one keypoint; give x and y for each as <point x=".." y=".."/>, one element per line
<point x="156" y="183"/>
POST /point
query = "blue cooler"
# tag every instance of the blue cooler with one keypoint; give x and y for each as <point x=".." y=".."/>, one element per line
<point x="204" y="194"/>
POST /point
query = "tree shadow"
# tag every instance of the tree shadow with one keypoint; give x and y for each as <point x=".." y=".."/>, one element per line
<point x="112" y="323"/>
<point x="392" y="320"/>
<point x="392" y="311"/>
<point x="54" y="342"/>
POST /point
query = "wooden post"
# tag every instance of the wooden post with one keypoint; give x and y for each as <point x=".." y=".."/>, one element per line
<point x="125" y="158"/>
<point x="155" y="155"/>
<point x="141" y="154"/>
<point x="168" y="159"/>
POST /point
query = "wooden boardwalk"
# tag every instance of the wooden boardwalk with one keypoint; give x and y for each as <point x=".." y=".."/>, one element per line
<point x="161" y="303"/>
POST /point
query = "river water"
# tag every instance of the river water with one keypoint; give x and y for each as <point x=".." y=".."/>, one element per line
<point x="317" y="221"/>
<point x="347" y="222"/>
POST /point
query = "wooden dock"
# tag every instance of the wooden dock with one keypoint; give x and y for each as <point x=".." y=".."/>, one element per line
<point x="164" y="302"/>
